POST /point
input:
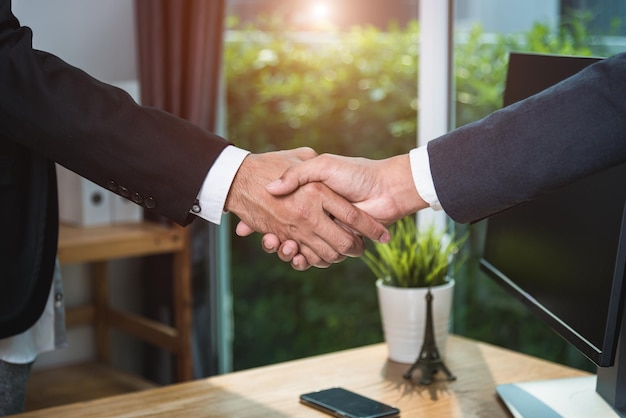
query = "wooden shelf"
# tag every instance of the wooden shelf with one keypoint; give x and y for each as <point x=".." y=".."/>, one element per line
<point x="80" y="245"/>
<point x="96" y="246"/>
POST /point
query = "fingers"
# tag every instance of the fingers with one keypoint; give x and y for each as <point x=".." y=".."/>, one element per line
<point x="243" y="230"/>
<point x="288" y="252"/>
<point x="354" y="221"/>
<point x="336" y="235"/>
<point x="300" y="263"/>
<point x="302" y="215"/>
<point x="330" y="244"/>
<point x="311" y="258"/>
<point x="271" y="243"/>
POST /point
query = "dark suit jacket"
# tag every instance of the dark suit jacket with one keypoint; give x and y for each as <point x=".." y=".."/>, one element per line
<point x="571" y="130"/>
<point x="51" y="111"/>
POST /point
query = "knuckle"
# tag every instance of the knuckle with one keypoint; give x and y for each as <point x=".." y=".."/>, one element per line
<point x="345" y="245"/>
<point x="328" y="255"/>
<point x="313" y="259"/>
<point x="303" y="212"/>
<point x="314" y="187"/>
<point x="351" y="215"/>
<point x="359" y="247"/>
<point x="324" y="158"/>
<point x="308" y="151"/>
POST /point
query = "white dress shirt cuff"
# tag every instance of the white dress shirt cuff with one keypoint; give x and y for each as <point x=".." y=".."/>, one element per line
<point x="214" y="191"/>
<point x="422" y="177"/>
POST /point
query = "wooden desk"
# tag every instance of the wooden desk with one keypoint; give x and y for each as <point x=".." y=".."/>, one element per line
<point x="98" y="245"/>
<point x="273" y="391"/>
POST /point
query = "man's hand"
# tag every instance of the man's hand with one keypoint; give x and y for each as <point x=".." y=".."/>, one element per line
<point x="306" y="216"/>
<point x="384" y="189"/>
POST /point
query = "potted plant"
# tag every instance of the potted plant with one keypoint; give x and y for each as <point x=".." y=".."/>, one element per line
<point x="410" y="264"/>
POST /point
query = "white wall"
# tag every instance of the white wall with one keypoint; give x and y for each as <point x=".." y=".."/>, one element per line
<point x="94" y="35"/>
<point x="97" y="36"/>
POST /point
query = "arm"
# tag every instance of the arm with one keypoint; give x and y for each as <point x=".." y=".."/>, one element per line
<point x="555" y="137"/>
<point x="97" y="130"/>
<point x="149" y="156"/>
<point x="571" y="130"/>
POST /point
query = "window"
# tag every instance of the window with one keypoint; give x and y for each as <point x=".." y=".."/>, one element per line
<point x="341" y="77"/>
<point x="485" y="31"/>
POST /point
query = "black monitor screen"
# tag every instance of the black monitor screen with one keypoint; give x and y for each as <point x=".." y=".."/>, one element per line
<point x="529" y="74"/>
<point x="560" y="254"/>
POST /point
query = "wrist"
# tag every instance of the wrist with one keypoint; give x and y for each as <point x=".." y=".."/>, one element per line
<point x="422" y="177"/>
<point x="233" y="198"/>
<point x="405" y="196"/>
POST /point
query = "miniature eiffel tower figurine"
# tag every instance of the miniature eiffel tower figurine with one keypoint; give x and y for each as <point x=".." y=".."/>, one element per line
<point x="429" y="360"/>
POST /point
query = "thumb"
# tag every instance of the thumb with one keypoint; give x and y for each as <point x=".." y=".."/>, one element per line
<point x="280" y="187"/>
<point x="289" y="181"/>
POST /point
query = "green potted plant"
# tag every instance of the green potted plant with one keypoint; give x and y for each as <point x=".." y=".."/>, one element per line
<point x="414" y="261"/>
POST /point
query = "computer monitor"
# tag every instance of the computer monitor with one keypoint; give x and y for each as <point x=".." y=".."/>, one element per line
<point x="564" y="255"/>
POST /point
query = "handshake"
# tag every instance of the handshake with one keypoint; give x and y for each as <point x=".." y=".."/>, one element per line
<point x="315" y="210"/>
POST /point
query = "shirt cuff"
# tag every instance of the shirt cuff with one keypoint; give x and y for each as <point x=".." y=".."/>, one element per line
<point x="422" y="176"/>
<point x="212" y="196"/>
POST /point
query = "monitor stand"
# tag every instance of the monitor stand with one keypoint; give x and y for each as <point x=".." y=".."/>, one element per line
<point x="569" y="397"/>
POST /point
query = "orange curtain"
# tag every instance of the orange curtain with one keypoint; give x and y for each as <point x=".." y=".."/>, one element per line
<point x="180" y="48"/>
<point x="180" y="51"/>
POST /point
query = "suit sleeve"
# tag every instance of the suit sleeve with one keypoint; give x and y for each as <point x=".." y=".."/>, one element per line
<point x="96" y="130"/>
<point x="568" y="131"/>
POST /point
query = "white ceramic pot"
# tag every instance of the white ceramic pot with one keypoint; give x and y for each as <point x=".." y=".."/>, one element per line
<point x="403" y="314"/>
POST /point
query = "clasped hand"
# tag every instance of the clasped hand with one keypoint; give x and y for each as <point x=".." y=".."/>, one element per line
<point x="325" y="227"/>
<point x="314" y="210"/>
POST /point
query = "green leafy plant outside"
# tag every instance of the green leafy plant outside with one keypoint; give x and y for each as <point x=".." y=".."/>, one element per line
<point x="350" y="93"/>
<point x="413" y="258"/>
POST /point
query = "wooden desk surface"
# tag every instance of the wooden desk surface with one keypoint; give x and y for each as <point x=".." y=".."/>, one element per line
<point x="274" y="390"/>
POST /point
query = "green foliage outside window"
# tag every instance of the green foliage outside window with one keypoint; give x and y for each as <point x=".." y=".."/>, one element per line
<point x="355" y="93"/>
<point x="350" y="93"/>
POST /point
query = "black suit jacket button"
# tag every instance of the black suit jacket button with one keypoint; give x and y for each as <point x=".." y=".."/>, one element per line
<point x="137" y="198"/>
<point x="123" y="191"/>
<point x="112" y="185"/>
<point x="150" y="203"/>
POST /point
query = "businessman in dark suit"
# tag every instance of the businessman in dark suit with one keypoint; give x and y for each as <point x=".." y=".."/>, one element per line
<point x="53" y="112"/>
<point x="571" y="130"/>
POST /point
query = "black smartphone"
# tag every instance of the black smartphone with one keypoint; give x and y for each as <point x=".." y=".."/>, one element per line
<point x="340" y="402"/>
